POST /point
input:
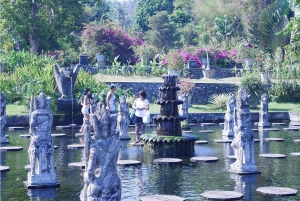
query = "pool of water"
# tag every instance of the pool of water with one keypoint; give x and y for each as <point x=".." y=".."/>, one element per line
<point x="187" y="180"/>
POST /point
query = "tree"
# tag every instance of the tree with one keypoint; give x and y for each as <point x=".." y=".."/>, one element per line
<point x="161" y="33"/>
<point x="181" y="15"/>
<point x="41" y="23"/>
<point x="95" y="10"/>
<point x="148" y="8"/>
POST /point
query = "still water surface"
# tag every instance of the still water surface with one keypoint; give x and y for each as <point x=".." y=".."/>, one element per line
<point x="187" y="180"/>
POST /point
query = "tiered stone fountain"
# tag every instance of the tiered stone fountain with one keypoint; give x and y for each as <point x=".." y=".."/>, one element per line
<point x="169" y="139"/>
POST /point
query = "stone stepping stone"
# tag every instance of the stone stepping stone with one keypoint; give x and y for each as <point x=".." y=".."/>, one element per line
<point x="295" y="154"/>
<point x="207" y="124"/>
<point x="14" y="128"/>
<point x="222" y="195"/>
<point x="63" y="127"/>
<point x="297" y="141"/>
<point x="206" y="159"/>
<point x="231" y="157"/>
<point x="164" y="161"/>
<point x="27" y="167"/>
<point x="274" y="139"/>
<point x="128" y="162"/>
<point x="6" y="136"/>
<point x="11" y="148"/>
<point x="291" y="129"/>
<point x="79" y="165"/>
<point x="4" y="168"/>
<point x="75" y="126"/>
<point x="187" y="131"/>
<point x="206" y="131"/>
<point x="131" y="125"/>
<point x="139" y="144"/>
<point x="161" y="198"/>
<point x="150" y="125"/>
<point x="79" y="134"/>
<point x="278" y="191"/>
<point x="55" y="147"/>
<point x="58" y="134"/>
<point x="76" y="146"/>
<point x="221" y="124"/>
<point x="201" y="142"/>
<point x="255" y="130"/>
<point x="256" y="140"/>
<point x="272" y="155"/>
<point x="223" y="141"/>
<point x="25" y="136"/>
<point x="271" y="129"/>
<point x="192" y="124"/>
<point x="278" y="124"/>
<point x="131" y="133"/>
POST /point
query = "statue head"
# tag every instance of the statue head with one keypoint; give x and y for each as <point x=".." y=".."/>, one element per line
<point x="43" y="102"/>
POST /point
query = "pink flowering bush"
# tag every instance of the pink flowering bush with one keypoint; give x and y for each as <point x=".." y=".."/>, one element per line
<point x="186" y="86"/>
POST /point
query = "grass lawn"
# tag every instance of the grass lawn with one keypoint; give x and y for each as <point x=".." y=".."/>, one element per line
<point x="154" y="108"/>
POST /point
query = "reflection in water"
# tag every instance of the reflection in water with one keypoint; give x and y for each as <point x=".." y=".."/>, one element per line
<point x="245" y="184"/>
<point x="40" y="194"/>
<point x="263" y="144"/>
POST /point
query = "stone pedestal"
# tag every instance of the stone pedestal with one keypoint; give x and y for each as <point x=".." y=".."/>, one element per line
<point x="67" y="105"/>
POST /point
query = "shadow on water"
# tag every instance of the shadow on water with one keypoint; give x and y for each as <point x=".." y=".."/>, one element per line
<point x="187" y="180"/>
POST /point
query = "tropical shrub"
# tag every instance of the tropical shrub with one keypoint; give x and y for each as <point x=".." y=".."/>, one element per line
<point x="285" y="91"/>
<point x="219" y="101"/>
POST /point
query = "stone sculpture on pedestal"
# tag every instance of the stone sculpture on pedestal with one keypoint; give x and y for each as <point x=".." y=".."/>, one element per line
<point x="263" y="113"/>
<point x="102" y="182"/>
<point x="65" y="80"/>
<point x="229" y="117"/>
<point x="42" y="172"/>
<point x="123" y="119"/>
<point x="3" y="118"/>
<point x="243" y="142"/>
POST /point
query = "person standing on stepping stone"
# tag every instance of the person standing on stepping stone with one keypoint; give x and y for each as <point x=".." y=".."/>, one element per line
<point x="111" y="99"/>
<point x="85" y="101"/>
<point x="141" y="105"/>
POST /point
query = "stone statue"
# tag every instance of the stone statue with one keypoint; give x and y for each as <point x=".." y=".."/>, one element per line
<point x="183" y="111"/>
<point x="263" y="113"/>
<point x="243" y="142"/>
<point x="41" y="146"/>
<point x="102" y="182"/>
<point x="123" y="119"/>
<point x="3" y="118"/>
<point x="65" y="80"/>
<point x="229" y="117"/>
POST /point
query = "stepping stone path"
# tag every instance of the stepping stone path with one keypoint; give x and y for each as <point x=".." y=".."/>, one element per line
<point x="205" y="159"/>
<point x="58" y="134"/>
<point x="63" y="127"/>
<point x="222" y="195"/>
<point x="79" y="134"/>
<point x="11" y="148"/>
<point x="79" y="165"/>
<point x="255" y="130"/>
<point x="223" y="141"/>
<point x="75" y="126"/>
<point x="201" y="142"/>
<point x="16" y="128"/>
<point x="192" y="124"/>
<point x="207" y="124"/>
<point x="291" y="129"/>
<point x="55" y="147"/>
<point x="271" y="129"/>
<point x="161" y="198"/>
<point x="187" y="131"/>
<point x="278" y="191"/>
<point x="231" y="157"/>
<point x="221" y="124"/>
<point x="272" y="155"/>
<point x="128" y="162"/>
<point x="206" y="131"/>
<point x="4" y="168"/>
<point x="274" y="139"/>
<point x="256" y="140"/>
<point x="25" y="136"/>
<point x="76" y="146"/>
<point x="6" y="136"/>
<point x="297" y="141"/>
<point x="295" y="154"/>
<point x="27" y="167"/>
<point x="139" y="144"/>
<point x="164" y="161"/>
<point x="278" y="124"/>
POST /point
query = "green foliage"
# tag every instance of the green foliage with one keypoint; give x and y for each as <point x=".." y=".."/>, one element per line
<point x="181" y="15"/>
<point x="175" y="60"/>
<point x="67" y="57"/>
<point x="224" y="27"/>
<point x="285" y="91"/>
<point x="254" y="87"/>
<point x="219" y="101"/>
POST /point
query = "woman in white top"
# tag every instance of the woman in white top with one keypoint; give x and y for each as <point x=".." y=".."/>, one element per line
<point x="85" y="102"/>
<point x="141" y="105"/>
<point x="111" y="99"/>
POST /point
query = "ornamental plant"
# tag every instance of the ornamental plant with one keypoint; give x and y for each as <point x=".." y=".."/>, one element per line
<point x="186" y="86"/>
<point x="174" y="60"/>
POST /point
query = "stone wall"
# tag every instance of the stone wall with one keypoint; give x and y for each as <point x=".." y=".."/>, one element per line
<point x="196" y="73"/>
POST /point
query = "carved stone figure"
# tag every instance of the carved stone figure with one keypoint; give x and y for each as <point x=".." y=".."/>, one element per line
<point x="229" y="117"/>
<point x="65" y="80"/>
<point x="41" y="146"/>
<point x="123" y="119"/>
<point x="102" y="182"/>
<point x="243" y="142"/>
<point x="3" y="118"/>
<point x="263" y="113"/>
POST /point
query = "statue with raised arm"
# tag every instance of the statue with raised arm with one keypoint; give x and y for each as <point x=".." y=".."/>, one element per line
<point x="42" y="172"/>
<point x="243" y="142"/>
<point x="3" y="118"/>
<point x="263" y="113"/>
<point x="229" y="117"/>
<point x="102" y="182"/>
<point x="123" y="119"/>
